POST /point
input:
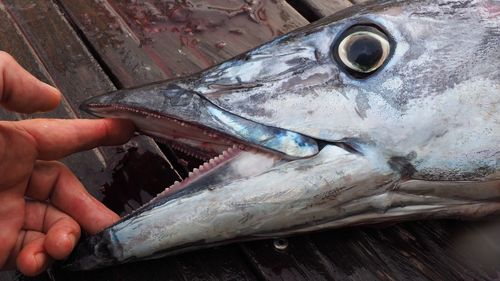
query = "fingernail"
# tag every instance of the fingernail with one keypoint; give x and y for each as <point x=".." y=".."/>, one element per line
<point x="71" y="239"/>
<point x="53" y="90"/>
<point x="53" y="102"/>
<point x="40" y="259"/>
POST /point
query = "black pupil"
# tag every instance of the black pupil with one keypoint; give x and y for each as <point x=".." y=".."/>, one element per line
<point x="365" y="51"/>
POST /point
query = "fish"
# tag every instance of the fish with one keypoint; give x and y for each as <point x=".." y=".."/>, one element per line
<point x="383" y="112"/>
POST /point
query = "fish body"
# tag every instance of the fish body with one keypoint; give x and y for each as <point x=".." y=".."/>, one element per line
<point x="383" y="112"/>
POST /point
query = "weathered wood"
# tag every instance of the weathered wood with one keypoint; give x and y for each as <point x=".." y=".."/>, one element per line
<point x="145" y="41"/>
<point x="14" y="43"/>
<point x="323" y="8"/>
<point x="162" y="269"/>
<point x="73" y="70"/>
<point x="300" y="260"/>
<point x="223" y="263"/>
<point x="410" y="251"/>
<point x="18" y="46"/>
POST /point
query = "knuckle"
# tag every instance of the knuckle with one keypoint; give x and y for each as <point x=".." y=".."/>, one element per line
<point x="61" y="167"/>
<point x="58" y="165"/>
<point x="15" y="137"/>
<point x="50" y="167"/>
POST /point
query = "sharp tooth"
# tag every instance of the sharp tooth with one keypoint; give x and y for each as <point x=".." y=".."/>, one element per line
<point x="190" y="174"/>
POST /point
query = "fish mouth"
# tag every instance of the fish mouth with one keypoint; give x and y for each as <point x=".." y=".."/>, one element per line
<point x="244" y="149"/>
<point x="225" y="159"/>
<point x="194" y="140"/>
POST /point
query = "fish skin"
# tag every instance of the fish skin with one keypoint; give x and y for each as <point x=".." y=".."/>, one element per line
<point x="419" y="138"/>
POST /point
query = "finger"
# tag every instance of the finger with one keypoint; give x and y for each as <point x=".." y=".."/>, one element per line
<point x="11" y="221"/>
<point x="41" y="216"/>
<point x="22" y="92"/>
<point x="61" y="238"/>
<point x="23" y="239"/>
<point x="54" y="181"/>
<point x="32" y="259"/>
<point x="56" y="138"/>
<point x="62" y="232"/>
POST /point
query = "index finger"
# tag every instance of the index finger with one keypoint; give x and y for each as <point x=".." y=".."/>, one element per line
<point x="57" y="138"/>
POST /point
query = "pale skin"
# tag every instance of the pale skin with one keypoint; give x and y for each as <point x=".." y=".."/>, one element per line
<point x="43" y="206"/>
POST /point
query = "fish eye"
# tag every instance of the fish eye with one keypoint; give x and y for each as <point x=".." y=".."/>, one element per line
<point x="362" y="49"/>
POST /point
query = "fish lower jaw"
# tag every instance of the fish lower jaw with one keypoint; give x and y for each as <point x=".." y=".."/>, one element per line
<point x="235" y="158"/>
<point x="220" y="152"/>
<point x="202" y="170"/>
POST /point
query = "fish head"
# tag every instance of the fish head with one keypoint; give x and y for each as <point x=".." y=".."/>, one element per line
<point x="426" y="98"/>
<point x="385" y="111"/>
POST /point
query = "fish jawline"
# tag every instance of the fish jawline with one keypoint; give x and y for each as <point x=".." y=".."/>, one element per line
<point x="212" y="147"/>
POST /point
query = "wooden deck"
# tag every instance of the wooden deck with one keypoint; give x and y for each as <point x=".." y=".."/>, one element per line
<point x="90" y="47"/>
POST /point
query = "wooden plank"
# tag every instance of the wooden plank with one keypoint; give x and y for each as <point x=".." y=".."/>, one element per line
<point x="222" y="263"/>
<point x="476" y="244"/>
<point x="162" y="269"/>
<point x="78" y="76"/>
<point x="408" y="251"/>
<point x="25" y="55"/>
<point x="298" y="260"/>
<point x="156" y="40"/>
<point x="14" y="43"/>
<point x="323" y="8"/>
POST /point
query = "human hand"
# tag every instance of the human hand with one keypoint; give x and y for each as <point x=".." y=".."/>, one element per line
<point x="42" y="204"/>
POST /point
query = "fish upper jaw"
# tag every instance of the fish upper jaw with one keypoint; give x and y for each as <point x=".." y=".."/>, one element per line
<point x="174" y="114"/>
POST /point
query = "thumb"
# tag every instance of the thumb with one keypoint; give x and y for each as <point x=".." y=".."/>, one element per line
<point x="22" y="92"/>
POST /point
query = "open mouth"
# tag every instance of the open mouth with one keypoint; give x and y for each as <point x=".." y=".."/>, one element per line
<point x="225" y="158"/>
